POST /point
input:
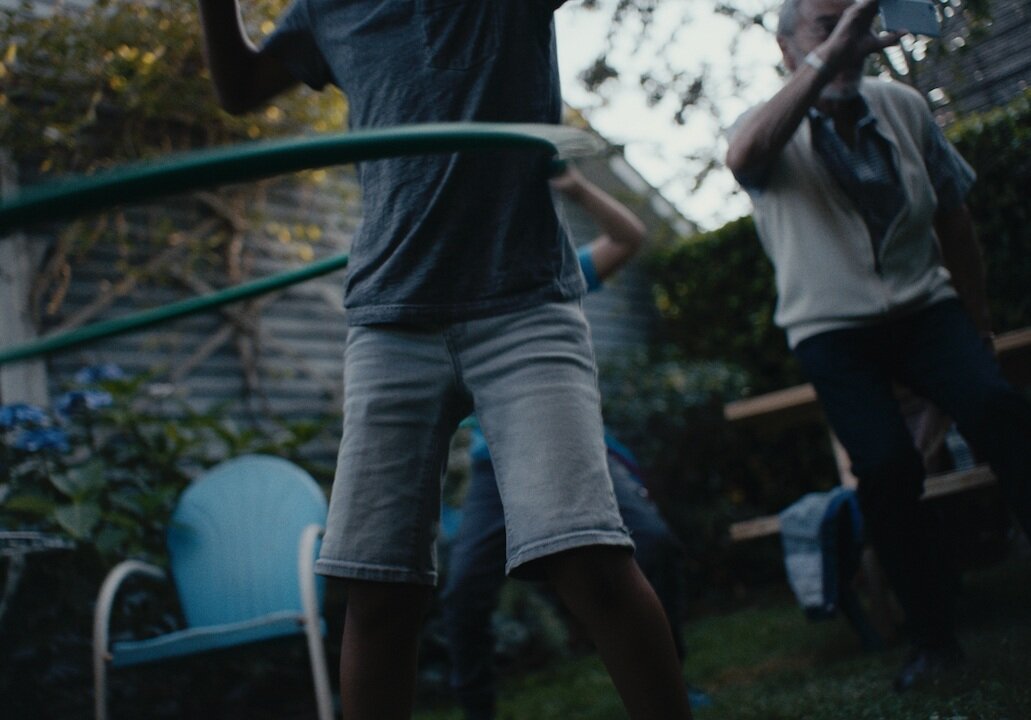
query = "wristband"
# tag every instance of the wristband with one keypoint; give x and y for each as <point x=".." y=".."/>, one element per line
<point x="815" y="62"/>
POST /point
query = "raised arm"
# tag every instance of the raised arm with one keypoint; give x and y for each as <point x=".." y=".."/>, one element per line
<point x="244" y="76"/>
<point x="622" y="232"/>
<point x="817" y="49"/>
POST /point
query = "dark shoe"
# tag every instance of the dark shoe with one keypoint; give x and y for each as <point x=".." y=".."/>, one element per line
<point x="928" y="661"/>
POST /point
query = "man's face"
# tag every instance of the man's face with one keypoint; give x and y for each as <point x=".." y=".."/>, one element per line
<point x="816" y="21"/>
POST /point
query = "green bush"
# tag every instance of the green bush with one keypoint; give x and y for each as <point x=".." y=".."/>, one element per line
<point x="716" y="296"/>
<point x="997" y="144"/>
<point x="715" y="291"/>
<point x="114" y="80"/>
<point x="102" y="469"/>
<point x="99" y="84"/>
<point x="668" y="409"/>
<point x="107" y="465"/>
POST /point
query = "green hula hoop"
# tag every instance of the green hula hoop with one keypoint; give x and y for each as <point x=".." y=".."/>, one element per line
<point x="252" y="161"/>
<point x="191" y="306"/>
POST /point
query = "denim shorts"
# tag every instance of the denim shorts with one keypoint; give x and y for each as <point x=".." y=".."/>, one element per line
<point x="530" y="377"/>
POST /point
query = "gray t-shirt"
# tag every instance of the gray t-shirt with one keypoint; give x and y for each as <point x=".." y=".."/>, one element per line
<point x="445" y="237"/>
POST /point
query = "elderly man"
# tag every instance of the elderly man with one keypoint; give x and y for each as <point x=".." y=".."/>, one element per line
<point x="859" y="203"/>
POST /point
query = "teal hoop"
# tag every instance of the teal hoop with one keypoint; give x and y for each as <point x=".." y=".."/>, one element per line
<point x="191" y="306"/>
<point x="254" y="161"/>
<point x="247" y="162"/>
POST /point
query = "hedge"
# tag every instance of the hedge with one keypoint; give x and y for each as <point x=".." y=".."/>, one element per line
<point x="715" y="291"/>
<point x="716" y="297"/>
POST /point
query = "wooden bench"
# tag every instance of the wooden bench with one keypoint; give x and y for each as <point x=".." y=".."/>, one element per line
<point x="795" y="405"/>
<point x="790" y="407"/>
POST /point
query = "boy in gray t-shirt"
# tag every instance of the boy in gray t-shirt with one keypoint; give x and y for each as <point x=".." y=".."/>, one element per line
<point x="445" y="237"/>
<point x="463" y="293"/>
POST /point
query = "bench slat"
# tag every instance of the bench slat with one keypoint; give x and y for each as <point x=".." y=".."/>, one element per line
<point x="755" y="528"/>
<point x="934" y="486"/>
<point x="799" y="401"/>
<point x="795" y="404"/>
<point x="953" y="482"/>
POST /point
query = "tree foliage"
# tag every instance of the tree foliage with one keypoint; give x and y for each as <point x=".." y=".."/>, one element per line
<point x="716" y="297"/>
<point x="667" y="54"/>
<point x="84" y="87"/>
<point x="87" y="86"/>
<point x="715" y="291"/>
<point x="690" y="84"/>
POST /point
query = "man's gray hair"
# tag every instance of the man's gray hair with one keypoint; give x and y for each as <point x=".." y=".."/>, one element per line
<point x="788" y="19"/>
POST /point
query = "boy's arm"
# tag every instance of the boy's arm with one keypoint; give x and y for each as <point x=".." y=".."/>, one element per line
<point x="244" y="76"/>
<point x="623" y="233"/>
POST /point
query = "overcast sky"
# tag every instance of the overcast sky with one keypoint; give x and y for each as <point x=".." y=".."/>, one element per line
<point x="655" y="145"/>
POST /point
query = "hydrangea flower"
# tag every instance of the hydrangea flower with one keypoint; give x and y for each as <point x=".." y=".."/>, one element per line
<point x="93" y="374"/>
<point x="43" y="439"/>
<point x="22" y="414"/>
<point x="76" y="401"/>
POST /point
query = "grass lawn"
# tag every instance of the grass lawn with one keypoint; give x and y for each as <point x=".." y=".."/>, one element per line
<point x="767" y="662"/>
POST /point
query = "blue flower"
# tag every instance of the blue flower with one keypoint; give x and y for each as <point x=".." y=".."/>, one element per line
<point x="46" y="439"/>
<point x="76" y="401"/>
<point x="93" y="374"/>
<point x="22" y="414"/>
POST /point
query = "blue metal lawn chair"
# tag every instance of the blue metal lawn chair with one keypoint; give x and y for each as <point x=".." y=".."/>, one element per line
<point x="242" y="544"/>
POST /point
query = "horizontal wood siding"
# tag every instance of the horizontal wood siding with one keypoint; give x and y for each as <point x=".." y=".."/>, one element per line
<point x="295" y="336"/>
<point x="300" y="330"/>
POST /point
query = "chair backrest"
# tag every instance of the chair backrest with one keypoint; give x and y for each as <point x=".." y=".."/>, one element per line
<point x="233" y="539"/>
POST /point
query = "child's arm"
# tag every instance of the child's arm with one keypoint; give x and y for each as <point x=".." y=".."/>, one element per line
<point x="623" y="233"/>
<point x="244" y="76"/>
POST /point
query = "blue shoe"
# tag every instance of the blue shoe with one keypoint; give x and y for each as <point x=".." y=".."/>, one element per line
<point x="697" y="697"/>
<point x="927" y="662"/>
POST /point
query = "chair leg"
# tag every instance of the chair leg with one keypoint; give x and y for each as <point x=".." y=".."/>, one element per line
<point x="99" y="686"/>
<point x="100" y="639"/>
<point x="312" y="624"/>
<point x="101" y="625"/>
<point x="320" y="676"/>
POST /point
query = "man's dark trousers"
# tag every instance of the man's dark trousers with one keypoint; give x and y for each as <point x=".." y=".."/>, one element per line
<point x="937" y="353"/>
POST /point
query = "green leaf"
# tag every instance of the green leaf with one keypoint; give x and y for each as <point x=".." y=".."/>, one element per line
<point x="31" y="504"/>
<point x="81" y="482"/>
<point x="128" y="501"/>
<point x="109" y="541"/>
<point x="31" y="469"/>
<point x="78" y="519"/>
<point x="122" y="520"/>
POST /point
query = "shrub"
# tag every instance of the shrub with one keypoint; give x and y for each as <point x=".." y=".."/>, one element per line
<point x="715" y="291"/>
<point x="668" y="409"/>
<point x="88" y="86"/>
<point x="98" y="83"/>
<point x="103" y="469"/>
<point x="716" y="296"/>
<point x="997" y="143"/>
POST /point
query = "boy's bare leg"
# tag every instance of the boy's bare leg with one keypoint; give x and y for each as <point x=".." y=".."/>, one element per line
<point x="603" y="587"/>
<point x="380" y="649"/>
